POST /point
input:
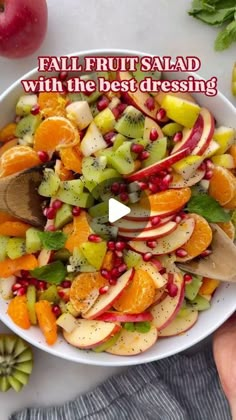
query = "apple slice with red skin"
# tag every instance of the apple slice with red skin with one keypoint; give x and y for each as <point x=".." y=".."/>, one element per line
<point x="152" y="270"/>
<point x="179" y="182"/>
<point x="113" y="316"/>
<point x="168" y="243"/>
<point x="88" y="334"/>
<point x="179" y="325"/>
<point x="162" y="165"/>
<point x="105" y="302"/>
<point x="132" y="343"/>
<point x="165" y="311"/>
<point x="44" y="257"/>
<point x="160" y="295"/>
<point x="138" y="226"/>
<point x="23" y="26"/>
<point x="150" y="125"/>
<point x="148" y="235"/>
<point x="138" y="99"/>
<point x="142" y="214"/>
<point x="191" y="136"/>
<point x="207" y="134"/>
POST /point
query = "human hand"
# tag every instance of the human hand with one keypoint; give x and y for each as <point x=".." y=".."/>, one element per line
<point x="224" y="349"/>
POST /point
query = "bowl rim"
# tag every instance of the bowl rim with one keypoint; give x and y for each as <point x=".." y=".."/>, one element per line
<point x="128" y="360"/>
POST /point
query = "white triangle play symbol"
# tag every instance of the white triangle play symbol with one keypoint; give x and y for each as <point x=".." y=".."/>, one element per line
<point x="116" y="210"/>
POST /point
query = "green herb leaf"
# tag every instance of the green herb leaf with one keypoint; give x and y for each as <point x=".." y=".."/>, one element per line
<point x="52" y="240"/>
<point x="143" y="327"/>
<point x="226" y="37"/>
<point x="129" y="326"/>
<point x="208" y="207"/>
<point x="53" y="273"/>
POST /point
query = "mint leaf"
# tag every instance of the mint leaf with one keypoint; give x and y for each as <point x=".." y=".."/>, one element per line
<point x="143" y="327"/>
<point x="53" y="273"/>
<point x="129" y="326"/>
<point x="208" y="207"/>
<point x="226" y="37"/>
<point x="52" y="240"/>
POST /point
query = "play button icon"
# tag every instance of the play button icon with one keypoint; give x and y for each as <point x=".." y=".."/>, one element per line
<point x="116" y="210"/>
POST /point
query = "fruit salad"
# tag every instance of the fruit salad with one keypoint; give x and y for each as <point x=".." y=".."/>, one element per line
<point x="116" y="286"/>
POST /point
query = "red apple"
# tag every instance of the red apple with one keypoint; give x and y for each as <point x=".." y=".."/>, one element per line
<point x="150" y="268"/>
<point x="23" y="25"/>
<point x="148" y="235"/>
<point x="131" y="343"/>
<point x="159" y="166"/>
<point x="191" y="136"/>
<point x="207" y="133"/>
<point x="141" y="214"/>
<point x="125" y="225"/>
<point x="113" y="316"/>
<point x="180" y="325"/>
<point x="179" y="182"/>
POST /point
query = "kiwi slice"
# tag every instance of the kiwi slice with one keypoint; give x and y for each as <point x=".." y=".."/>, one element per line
<point x="92" y="166"/>
<point x="157" y="152"/>
<point x="33" y="241"/>
<point x="78" y="262"/>
<point x="171" y="129"/>
<point x="119" y="140"/>
<point x="63" y="216"/>
<point x="105" y="121"/>
<point x="131" y="123"/>
<point x="192" y="288"/>
<point x="121" y="160"/>
<point x="15" y="248"/>
<point x="131" y="258"/>
<point x="62" y="255"/>
<point x="200" y="303"/>
<point x="140" y="75"/>
<point x="50" y="294"/>
<point x="108" y="343"/>
<point x="16" y="362"/>
<point x="94" y="253"/>
<point x="50" y="183"/>
<point x="27" y="126"/>
<point x="31" y="296"/>
<point x="25" y="104"/>
<point x="73" y="97"/>
<point x="3" y="247"/>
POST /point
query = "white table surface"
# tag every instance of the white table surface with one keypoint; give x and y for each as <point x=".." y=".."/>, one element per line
<point x="160" y="27"/>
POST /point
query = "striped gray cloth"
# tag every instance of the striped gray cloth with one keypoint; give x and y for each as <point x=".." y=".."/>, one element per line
<point x="178" y="388"/>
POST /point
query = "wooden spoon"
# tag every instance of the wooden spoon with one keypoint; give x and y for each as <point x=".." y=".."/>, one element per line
<point x="19" y="195"/>
<point x="220" y="264"/>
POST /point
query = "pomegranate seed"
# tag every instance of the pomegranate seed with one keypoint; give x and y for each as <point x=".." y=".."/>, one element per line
<point x="45" y="211"/>
<point x="122" y="268"/>
<point x="124" y="196"/>
<point x="16" y="287"/>
<point x="137" y="148"/>
<point x="170" y="278"/>
<point x="115" y="188"/>
<point x="123" y="188"/>
<point x="181" y="253"/>
<point x="153" y="135"/>
<point x="76" y="211"/>
<point x="203" y="166"/>
<point x="35" y="109"/>
<point x="147" y="256"/>
<point x="21" y="291"/>
<point x="50" y="228"/>
<point x="24" y="282"/>
<point x="151" y="244"/>
<point x="154" y="179"/>
<point x="63" y="75"/>
<point x="111" y="245"/>
<point x="208" y="175"/>
<point x="162" y="174"/>
<point x="106" y="274"/>
<point x="51" y="213"/>
<point x="115" y="272"/>
<point x="103" y="290"/>
<point x="61" y="294"/>
<point x="112" y="282"/>
<point x="150" y="104"/>
<point x="121" y="107"/>
<point x="102" y="103"/>
<point x="172" y="289"/>
<point x="183" y="215"/>
<point x="209" y="164"/>
<point x="66" y="284"/>
<point x="155" y="221"/>
<point x="94" y="238"/>
<point x="109" y="137"/>
<point x="157" y="264"/>
<point x="153" y="188"/>
<point x="116" y="113"/>
<point x="120" y="246"/>
<point x="42" y="285"/>
<point x="118" y="254"/>
<point x="144" y="155"/>
<point x="167" y="180"/>
<point x="57" y="204"/>
<point x="162" y="271"/>
<point x="178" y="136"/>
<point x="187" y="278"/>
<point x="160" y="114"/>
<point x="33" y="282"/>
<point x="43" y="156"/>
<point x="206" y="253"/>
<point x="118" y="262"/>
<point x="178" y="219"/>
<point x="24" y="273"/>
<point x="56" y="310"/>
<point x="143" y="185"/>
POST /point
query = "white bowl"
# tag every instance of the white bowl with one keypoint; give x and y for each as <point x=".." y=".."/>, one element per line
<point x="224" y="301"/>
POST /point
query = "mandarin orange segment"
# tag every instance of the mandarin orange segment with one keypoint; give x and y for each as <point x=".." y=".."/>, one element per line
<point x="55" y="133"/>
<point x="232" y="151"/>
<point x="138" y="295"/>
<point x="208" y="286"/>
<point x="71" y="158"/>
<point x="9" y="267"/>
<point x="6" y="217"/>
<point x="7" y="132"/>
<point x="201" y="237"/>
<point x="65" y="174"/>
<point x="47" y="321"/>
<point x="85" y="290"/>
<point x="228" y="228"/>
<point x="222" y="185"/>
<point x="169" y="200"/>
<point x="18" y="312"/>
<point x="108" y="262"/>
<point x="8" y="145"/>
<point x="231" y="205"/>
<point x="80" y="233"/>
<point x="14" y="228"/>
<point x="17" y="159"/>
<point x="51" y="104"/>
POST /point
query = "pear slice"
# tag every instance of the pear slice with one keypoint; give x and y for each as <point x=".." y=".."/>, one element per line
<point x="220" y="264"/>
